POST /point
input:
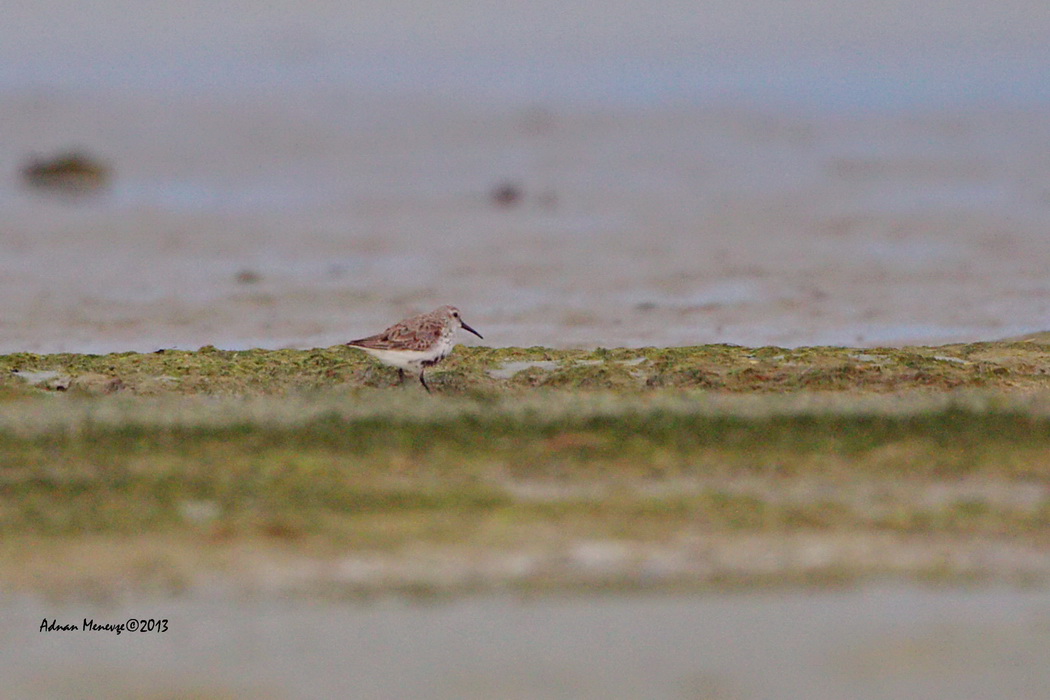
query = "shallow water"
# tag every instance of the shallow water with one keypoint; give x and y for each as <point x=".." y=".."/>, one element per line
<point x="831" y="52"/>
<point x="689" y="172"/>
<point x="664" y="226"/>
<point x="879" y="641"/>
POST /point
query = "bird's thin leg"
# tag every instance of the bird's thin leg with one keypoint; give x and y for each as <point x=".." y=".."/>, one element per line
<point x="423" y="381"/>
<point x="400" y="376"/>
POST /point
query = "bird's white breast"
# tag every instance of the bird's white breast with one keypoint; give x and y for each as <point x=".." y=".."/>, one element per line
<point x="413" y="359"/>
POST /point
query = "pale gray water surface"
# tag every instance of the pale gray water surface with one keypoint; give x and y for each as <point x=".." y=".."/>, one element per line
<point x="874" y="642"/>
<point x="664" y="226"/>
<point x="874" y="54"/>
<point x="691" y="172"/>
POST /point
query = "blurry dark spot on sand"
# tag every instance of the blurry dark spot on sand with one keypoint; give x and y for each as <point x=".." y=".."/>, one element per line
<point x="506" y="194"/>
<point x="248" y="277"/>
<point x="72" y="172"/>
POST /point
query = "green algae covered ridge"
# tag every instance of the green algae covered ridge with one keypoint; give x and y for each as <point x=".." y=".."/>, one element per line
<point x="483" y="371"/>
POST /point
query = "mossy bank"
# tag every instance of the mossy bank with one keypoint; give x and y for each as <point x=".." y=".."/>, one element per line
<point x="481" y="371"/>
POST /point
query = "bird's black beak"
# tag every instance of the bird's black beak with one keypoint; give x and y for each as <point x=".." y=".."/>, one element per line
<point x="468" y="328"/>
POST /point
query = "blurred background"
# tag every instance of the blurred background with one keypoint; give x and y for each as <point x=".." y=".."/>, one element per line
<point x="572" y="173"/>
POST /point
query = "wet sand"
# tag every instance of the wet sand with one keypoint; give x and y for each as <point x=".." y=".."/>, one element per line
<point x="245" y="222"/>
<point x="878" y="641"/>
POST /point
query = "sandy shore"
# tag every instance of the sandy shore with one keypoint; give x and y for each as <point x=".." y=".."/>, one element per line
<point x="663" y="226"/>
<point x="875" y="642"/>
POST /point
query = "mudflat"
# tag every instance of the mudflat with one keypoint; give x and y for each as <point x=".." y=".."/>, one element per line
<point x="243" y="222"/>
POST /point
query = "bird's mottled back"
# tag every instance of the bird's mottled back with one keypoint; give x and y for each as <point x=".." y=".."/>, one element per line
<point x="415" y="333"/>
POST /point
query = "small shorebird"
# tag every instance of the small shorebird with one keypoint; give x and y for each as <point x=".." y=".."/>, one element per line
<point x="416" y="343"/>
